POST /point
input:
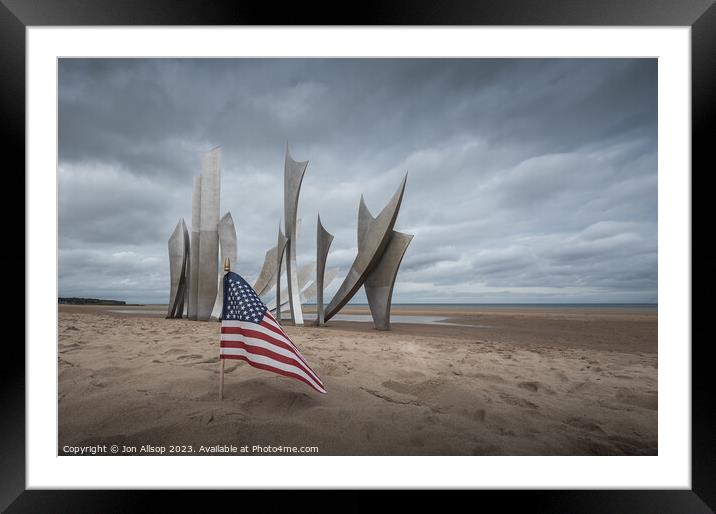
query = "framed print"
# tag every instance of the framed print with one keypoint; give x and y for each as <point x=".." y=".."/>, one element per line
<point x="442" y="248"/>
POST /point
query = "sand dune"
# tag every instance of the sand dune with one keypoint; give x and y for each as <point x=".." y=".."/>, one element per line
<point x="505" y="383"/>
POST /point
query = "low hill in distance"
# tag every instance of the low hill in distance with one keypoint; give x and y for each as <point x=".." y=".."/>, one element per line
<point x="90" y="301"/>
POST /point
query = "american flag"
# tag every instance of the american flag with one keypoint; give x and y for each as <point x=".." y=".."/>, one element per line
<point x="249" y="332"/>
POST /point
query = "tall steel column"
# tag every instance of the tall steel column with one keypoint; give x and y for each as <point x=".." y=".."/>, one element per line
<point x="194" y="248"/>
<point x="227" y="247"/>
<point x="178" y="247"/>
<point x="208" y="227"/>
<point x="323" y="244"/>
<point x="280" y="252"/>
<point x="187" y="268"/>
<point x="379" y="284"/>
<point x="292" y="178"/>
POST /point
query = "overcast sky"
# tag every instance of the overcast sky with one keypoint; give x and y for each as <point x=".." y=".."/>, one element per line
<point x="529" y="180"/>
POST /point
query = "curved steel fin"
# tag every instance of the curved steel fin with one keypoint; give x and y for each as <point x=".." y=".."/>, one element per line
<point x="375" y="240"/>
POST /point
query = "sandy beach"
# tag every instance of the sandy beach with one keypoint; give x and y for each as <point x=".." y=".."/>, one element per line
<point x="511" y="381"/>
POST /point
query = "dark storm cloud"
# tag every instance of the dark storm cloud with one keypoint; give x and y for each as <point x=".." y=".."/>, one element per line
<point x="529" y="179"/>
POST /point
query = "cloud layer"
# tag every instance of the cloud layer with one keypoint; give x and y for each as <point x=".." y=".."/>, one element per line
<point x="529" y="180"/>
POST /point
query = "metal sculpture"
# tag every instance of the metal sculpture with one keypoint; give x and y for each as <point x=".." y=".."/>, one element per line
<point x="310" y="293"/>
<point x="323" y="244"/>
<point x="178" y="270"/>
<point x="265" y="282"/>
<point x="304" y="276"/>
<point x="280" y="251"/>
<point x="374" y="235"/>
<point x="194" y="248"/>
<point x="292" y="178"/>
<point x="194" y="263"/>
<point x="187" y="255"/>
<point x="227" y="248"/>
<point x="379" y="283"/>
<point x="208" y="234"/>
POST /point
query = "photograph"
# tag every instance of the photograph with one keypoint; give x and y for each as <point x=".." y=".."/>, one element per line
<point x="443" y="247"/>
<point x="357" y="256"/>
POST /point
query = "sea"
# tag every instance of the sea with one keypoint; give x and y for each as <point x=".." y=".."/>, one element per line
<point x="536" y="306"/>
<point x="440" y="317"/>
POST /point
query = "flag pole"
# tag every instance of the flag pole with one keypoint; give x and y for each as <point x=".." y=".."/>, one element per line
<point x="227" y="268"/>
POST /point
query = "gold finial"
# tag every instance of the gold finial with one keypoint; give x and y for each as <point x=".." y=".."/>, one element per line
<point x="227" y="265"/>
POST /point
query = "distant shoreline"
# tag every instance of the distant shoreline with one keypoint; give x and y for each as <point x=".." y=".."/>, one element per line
<point x="412" y="313"/>
<point x="91" y="301"/>
<point x="556" y="305"/>
<point x="311" y="306"/>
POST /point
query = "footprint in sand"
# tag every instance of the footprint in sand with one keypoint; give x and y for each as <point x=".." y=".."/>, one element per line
<point x="280" y="404"/>
<point x="335" y="369"/>
<point x="520" y="402"/>
<point x="476" y="415"/>
<point x="410" y="374"/>
<point x="645" y="401"/>
<point x="489" y="377"/>
<point x="585" y="387"/>
<point x="584" y="424"/>
<point x="535" y="387"/>
<point x="62" y="360"/>
<point x="414" y="389"/>
<point x="561" y="376"/>
<point x="113" y="372"/>
<point x="190" y="356"/>
<point x="203" y="417"/>
<point x="390" y="399"/>
<point x="68" y="347"/>
<point x="632" y="446"/>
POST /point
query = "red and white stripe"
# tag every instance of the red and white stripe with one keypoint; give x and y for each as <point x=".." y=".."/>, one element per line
<point x="266" y="346"/>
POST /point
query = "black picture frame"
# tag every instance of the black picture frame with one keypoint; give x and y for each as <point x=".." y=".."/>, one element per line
<point x="16" y="15"/>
